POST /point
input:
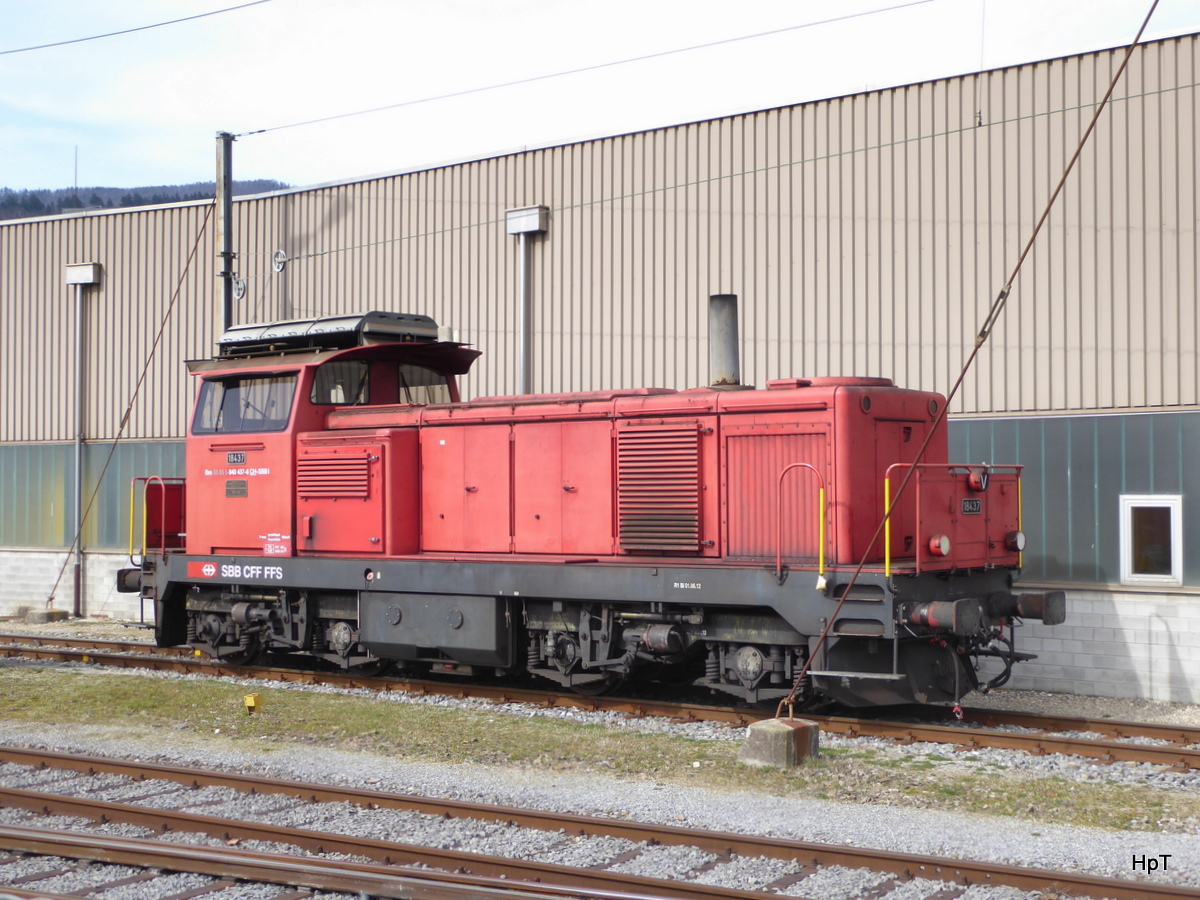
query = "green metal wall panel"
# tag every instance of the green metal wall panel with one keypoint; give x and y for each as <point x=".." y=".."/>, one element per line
<point x="38" y="481"/>
<point x="1077" y="467"/>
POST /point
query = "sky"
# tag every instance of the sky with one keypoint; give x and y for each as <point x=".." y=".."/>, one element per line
<point x="143" y="108"/>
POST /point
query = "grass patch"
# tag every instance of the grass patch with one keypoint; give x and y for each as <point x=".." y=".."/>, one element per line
<point x="147" y="708"/>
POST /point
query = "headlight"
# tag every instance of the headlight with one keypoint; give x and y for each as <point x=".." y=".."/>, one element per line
<point x="939" y="545"/>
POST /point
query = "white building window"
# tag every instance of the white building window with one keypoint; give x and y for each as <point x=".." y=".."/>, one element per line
<point x="1152" y="539"/>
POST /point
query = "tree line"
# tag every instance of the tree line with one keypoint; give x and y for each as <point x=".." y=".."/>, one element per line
<point x="24" y="204"/>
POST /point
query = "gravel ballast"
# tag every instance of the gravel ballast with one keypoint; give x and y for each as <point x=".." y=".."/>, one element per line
<point x="974" y="837"/>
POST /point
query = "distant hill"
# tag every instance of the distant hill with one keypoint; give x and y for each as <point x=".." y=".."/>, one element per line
<point x="26" y="204"/>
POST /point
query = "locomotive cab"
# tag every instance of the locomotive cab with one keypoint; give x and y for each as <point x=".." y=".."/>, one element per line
<point x="269" y="387"/>
<point x="252" y="472"/>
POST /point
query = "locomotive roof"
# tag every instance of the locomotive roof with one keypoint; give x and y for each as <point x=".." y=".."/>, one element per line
<point x="326" y="333"/>
<point x="447" y="357"/>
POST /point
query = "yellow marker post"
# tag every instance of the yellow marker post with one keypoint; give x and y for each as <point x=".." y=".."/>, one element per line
<point x="253" y="703"/>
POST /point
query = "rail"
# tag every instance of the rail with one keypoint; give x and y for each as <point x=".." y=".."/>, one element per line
<point x="526" y="874"/>
<point x="820" y="524"/>
<point x="972" y="471"/>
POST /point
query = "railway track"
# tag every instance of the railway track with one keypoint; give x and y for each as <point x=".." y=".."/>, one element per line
<point x="174" y="801"/>
<point x="1100" y="740"/>
<point x="126" y="861"/>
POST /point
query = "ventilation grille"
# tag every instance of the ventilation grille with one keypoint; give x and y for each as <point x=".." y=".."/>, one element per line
<point x="333" y="476"/>
<point x="658" y="489"/>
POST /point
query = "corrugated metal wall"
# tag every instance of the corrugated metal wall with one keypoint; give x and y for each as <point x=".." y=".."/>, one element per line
<point x="866" y="235"/>
<point x="143" y="254"/>
<point x="1078" y="467"/>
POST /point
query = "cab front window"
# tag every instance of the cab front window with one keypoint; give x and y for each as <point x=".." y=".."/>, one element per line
<point x="247" y="404"/>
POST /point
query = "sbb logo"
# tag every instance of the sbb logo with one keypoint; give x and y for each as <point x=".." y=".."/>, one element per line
<point x="202" y="570"/>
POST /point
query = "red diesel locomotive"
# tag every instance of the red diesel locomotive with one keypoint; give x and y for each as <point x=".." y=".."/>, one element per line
<point x="341" y="501"/>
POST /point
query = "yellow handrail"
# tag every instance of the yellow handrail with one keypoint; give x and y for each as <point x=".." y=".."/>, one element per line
<point x="887" y="526"/>
<point x="821" y="532"/>
<point x="145" y="480"/>
<point x="133" y="499"/>
<point x="1020" y="520"/>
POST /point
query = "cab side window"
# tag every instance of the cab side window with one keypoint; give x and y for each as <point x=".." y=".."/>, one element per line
<point x="341" y="383"/>
<point x="422" y="386"/>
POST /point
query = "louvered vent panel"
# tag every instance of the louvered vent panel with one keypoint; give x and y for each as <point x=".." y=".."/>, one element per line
<point x="333" y="476"/>
<point x="658" y="488"/>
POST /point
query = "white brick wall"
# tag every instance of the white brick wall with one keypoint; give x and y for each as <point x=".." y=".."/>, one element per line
<point x="1117" y="644"/>
<point x="27" y="578"/>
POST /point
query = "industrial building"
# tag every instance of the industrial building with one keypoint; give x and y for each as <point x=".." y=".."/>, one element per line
<point x="865" y="235"/>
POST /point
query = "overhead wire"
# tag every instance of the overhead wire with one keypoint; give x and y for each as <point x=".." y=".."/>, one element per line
<point x="97" y="37"/>
<point x="593" y="68"/>
<point x="985" y="331"/>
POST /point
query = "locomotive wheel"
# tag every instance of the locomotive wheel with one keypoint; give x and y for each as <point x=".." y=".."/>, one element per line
<point x="373" y="669"/>
<point x="243" y="657"/>
<point x="598" y="687"/>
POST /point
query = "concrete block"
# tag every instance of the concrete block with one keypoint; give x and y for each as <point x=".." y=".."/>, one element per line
<point x="1050" y="671"/>
<point x="1103" y="662"/>
<point x="782" y="743"/>
<point x="1101" y="689"/>
<point x="42" y="616"/>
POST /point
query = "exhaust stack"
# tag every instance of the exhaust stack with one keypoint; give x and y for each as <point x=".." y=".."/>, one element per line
<point x="724" y="359"/>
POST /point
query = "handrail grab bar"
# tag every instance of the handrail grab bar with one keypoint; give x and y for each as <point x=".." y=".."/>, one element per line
<point x="146" y="480"/>
<point x="820" y="523"/>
